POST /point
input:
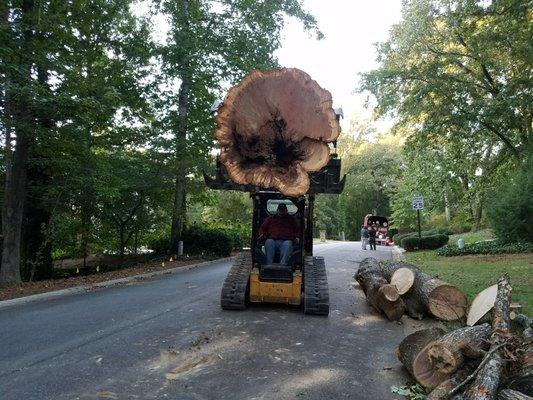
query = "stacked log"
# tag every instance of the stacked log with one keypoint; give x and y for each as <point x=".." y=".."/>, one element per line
<point x="470" y="363"/>
<point x="397" y="287"/>
<point x="381" y="295"/>
<point x="427" y="295"/>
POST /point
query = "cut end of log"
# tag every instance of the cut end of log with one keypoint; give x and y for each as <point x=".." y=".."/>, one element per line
<point x="424" y="371"/>
<point x="447" y="303"/>
<point x="482" y="304"/>
<point x="442" y="359"/>
<point x="273" y="129"/>
<point x="403" y="279"/>
<point x="389" y="292"/>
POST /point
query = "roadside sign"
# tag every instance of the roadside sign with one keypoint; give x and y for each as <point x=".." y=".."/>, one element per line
<point x="418" y="203"/>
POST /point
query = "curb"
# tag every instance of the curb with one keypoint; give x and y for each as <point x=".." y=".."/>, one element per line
<point x="81" y="289"/>
<point x="397" y="253"/>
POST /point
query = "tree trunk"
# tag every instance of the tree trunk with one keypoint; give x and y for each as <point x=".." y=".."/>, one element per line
<point x="411" y="346"/>
<point x="273" y="129"/>
<point x="15" y="188"/>
<point x="446" y="355"/>
<point x="180" y="192"/>
<point x="487" y="381"/>
<point x="430" y="295"/>
<point x="36" y="243"/>
<point x="379" y="293"/>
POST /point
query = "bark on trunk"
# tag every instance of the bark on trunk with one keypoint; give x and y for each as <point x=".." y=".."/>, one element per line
<point x="510" y="394"/>
<point x="180" y="194"/>
<point x="15" y="187"/>
<point x="379" y="293"/>
<point x="273" y="129"/>
<point x="411" y="346"/>
<point x="447" y="354"/>
<point x="431" y="295"/>
<point x="486" y="383"/>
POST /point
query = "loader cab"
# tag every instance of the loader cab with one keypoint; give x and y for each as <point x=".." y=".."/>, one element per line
<point x="265" y="205"/>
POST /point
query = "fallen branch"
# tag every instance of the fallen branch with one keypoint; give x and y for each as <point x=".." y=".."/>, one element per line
<point x="473" y="374"/>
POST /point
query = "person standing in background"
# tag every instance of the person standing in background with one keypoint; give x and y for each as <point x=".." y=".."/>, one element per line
<point x="364" y="237"/>
<point x="372" y="232"/>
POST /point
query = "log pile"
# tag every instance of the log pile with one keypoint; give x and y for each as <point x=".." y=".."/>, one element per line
<point x="393" y="288"/>
<point x="480" y="362"/>
<point x="273" y="128"/>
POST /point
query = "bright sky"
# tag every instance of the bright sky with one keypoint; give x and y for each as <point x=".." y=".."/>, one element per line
<point x="351" y="27"/>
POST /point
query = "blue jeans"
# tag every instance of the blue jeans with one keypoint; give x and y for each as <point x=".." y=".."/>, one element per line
<point x="285" y="250"/>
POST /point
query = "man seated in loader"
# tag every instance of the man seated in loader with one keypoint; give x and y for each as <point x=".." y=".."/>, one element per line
<point x="281" y="230"/>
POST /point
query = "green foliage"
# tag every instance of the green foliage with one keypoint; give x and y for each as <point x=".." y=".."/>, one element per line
<point x="207" y="241"/>
<point x="429" y="242"/>
<point x="488" y="247"/>
<point x="460" y="95"/>
<point x="510" y="209"/>
<point x="398" y="238"/>
<point x="413" y="392"/>
<point x="372" y="172"/>
<point x="204" y="240"/>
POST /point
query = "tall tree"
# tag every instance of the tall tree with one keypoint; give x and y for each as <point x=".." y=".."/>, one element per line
<point x="465" y="63"/>
<point x="212" y="44"/>
<point x="18" y="57"/>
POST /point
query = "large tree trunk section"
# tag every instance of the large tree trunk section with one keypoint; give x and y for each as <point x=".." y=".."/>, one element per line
<point x="510" y="394"/>
<point x="487" y="381"/>
<point x="273" y="128"/>
<point x="438" y="298"/>
<point x="445" y="355"/>
<point x="411" y="346"/>
<point x="379" y="293"/>
<point x="481" y="305"/>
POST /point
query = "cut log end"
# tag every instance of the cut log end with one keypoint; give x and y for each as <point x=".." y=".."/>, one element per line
<point x="447" y="303"/>
<point x="273" y="129"/>
<point x="403" y="279"/>
<point x="424" y="371"/>
<point x="389" y="292"/>
<point x="443" y="359"/>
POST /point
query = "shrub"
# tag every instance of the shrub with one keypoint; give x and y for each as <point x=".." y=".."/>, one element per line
<point x="205" y="241"/>
<point x="429" y="242"/>
<point x="510" y="210"/>
<point x="160" y="245"/>
<point x="398" y="239"/>
<point x="487" y="247"/>
<point x="198" y="240"/>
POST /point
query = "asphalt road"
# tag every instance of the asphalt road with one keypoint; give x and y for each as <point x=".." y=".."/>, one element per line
<point x="169" y="339"/>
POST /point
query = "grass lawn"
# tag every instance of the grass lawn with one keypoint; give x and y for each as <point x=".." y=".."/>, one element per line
<point x="473" y="237"/>
<point x="472" y="274"/>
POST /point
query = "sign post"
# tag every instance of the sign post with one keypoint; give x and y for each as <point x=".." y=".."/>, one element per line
<point x="418" y="204"/>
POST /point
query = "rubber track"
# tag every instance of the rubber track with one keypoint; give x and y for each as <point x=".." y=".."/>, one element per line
<point x="234" y="289"/>
<point x="316" y="292"/>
